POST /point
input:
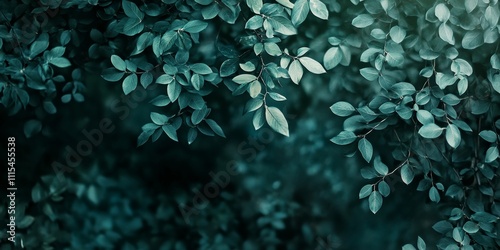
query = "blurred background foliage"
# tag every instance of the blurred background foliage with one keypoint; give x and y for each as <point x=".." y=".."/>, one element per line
<point x="293" y="192"/>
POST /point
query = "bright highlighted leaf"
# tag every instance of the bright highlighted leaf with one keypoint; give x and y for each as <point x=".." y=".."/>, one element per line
<point x="276" y="120"/>
<point x="342" y="109"/>
<point x="430" y="131"/>
<point x="312" y="65"/>
<point x="365" y="191"/>
<point x="375" y="202"/>
<point x="129" y="84"/>
<point x="319" y="9"/>
<point x="362" y="21"/>
<point x="332" y="57"/>
<point x="300" y="11"/>
<point x="344" y="138"/>
<point x="366" y="149"/>
<point x="453" y="135"/>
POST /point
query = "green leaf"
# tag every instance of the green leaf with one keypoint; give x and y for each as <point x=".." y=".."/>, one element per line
<point x="254" y="88"/>
<point x="462" y="67"/>
<point x="146" y="79"/>
<point x="197" y="81"/>
<point x="332" y="57"/>
<point x="491" y="154"/>
<point x="160" y="101"/>
<point x="384" y="188"/>
<point x="366" y="149"/>
<point x="362" y="21"/>
<point x="295" y="71"/>
<point x="129" y="84"/>
<point x="112" y="75"/>
<point x="488" y="136"/>
<point x="229" y="67"/>
<point x="258" y="119"/>
<point x="430" y="131"/>
<point x="201" y="68"/>
<point x="195" y="26"/>
<point x="342" y="109"/>
<point x="484" y="217"/>
<point x="254" y="23"/>
<point x="131" y="10"/>
<point x="425" y="117"/>
<point x="442" y="227"/>
<point x="472" y="39"/>
<point x="380" y="167"/>
<point x="173" y="91"/>
<point x="276" y="96"/>
<point x="276" y="120"/>
<point x="32" y="127"/>
<point x="421" y="244"/>
<point x="446" y="33"/>
<point x="272" y="49"/>
<point x="370" y="74"/>
<point x="470" y="5"/>
<point x="375" y="202"/>
<point x="215" y="127"/>
<point x="244" y="78"/>
<point x="434" y="194"/>
<point x="365" y="191"/>
<point x="319" y="9"/>
<point x="397" y="34"/>
<point x="25" y="222"/>
<point x="39" y="45"/>
<point x="255" y="5"/>
<point x="118" y="63"/>
<point x="408" y="247"/>
<point x="453" y="135"/>
<point x="344" y="138"/>
<point x="158" y="118"/>
<point x="192" y="134"/>
<point x="312" y="65"/>
<point x="407" y="174"/>
<point x="252" y="105"/>
<point x="442" y="12"/>
<point x="170" y="131"/>
<point x="470" y="227"/>
<point x="60" y="62"/>
<point x="403" y="89"/>
<point x="299" y="12"/>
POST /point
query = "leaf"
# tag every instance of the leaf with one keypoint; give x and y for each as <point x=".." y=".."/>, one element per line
<point x="491" y="154"/>
<point x="407" y="174"/>
<point x="299" y="12"/>
<point x="254" y="23"/>
<point x="446" y="33"/>
<point x="129" y="84"/>
<point x="192" y="134"/>
<point x="460" y="66"/>
<point x="255" y="5"/>
<point x="229" y="67"/>
<point x="332" y="57"/>
<point x="366" y="149"/>
<point x="362" y="21"/>
<point x="112" y="75"/>
<point x="442" y="227"/>
<point x="442" y="12"/>
<point x="39" y="45"/>
<point x="254" y="89"/>
<point x="197" y="81"/>
<point x="421" y="244"/>
<point x="25" y="222"/>
<point x="173" y="91"/>
<point x="146" y="79"/>
<point x="472" y="39"/>
<point x="244" y="78"/>
<point x="408" y="247"/>
<point x="344" y="138"/>
<point x="158" y="119"/>
<point x="365" y="191"/>
<point x="470" y="227"/>
<point x="258" y="119"/>
<point x="430" y="131"/>
<point x="201" y="68"/>
<point x="434" y="194"/>
<point x="60" y="62"/>
<point x="118" y="63"/>
<point x="488" y="136"/>
<point x="252" y="105"/>
<point x="276" y="96"/>
<point x="319" y="9"/>
<point x="215" y="127"/>
<point x="453" y="135"/>
<point x="370" y="74"/>
<point x="170" y="131"/>
<point x="32" y="127"/>
<point x="397" y="34"/>
<point x="484" y="217"/>
<point x="312" y="65"/>
<point x="342" y="109"/>
<point x="384" y="188"/>
<point x="195" y="26"/>
<point x="160" y="101"/>
<point x="375" y="202"/>
<point x="131" y="10"/>
<point x="380" y="167"/>
<point x="295" y="71"/>
<point x="276" y="120"/>
<point x="470" y="5"/>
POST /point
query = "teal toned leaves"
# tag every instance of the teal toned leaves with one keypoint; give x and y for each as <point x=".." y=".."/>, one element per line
<point x="342" y="109"/>
<point x="344" y="138"/>
<point x="362" y="21"/>
<point x="319" y="9"/>
<point x="276" y="120"/>
<point x="129" y="84"/>
<point x="430" y="131"/>
<point x="366" y="149"/>
<point x="312" y="65"/>
<point x="300" y="11"/>
<point x="375" y="202"/>
<point x="453" y="136"/>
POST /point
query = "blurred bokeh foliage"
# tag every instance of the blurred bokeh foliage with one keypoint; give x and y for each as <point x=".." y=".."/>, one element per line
<point x="86" y="85"/>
